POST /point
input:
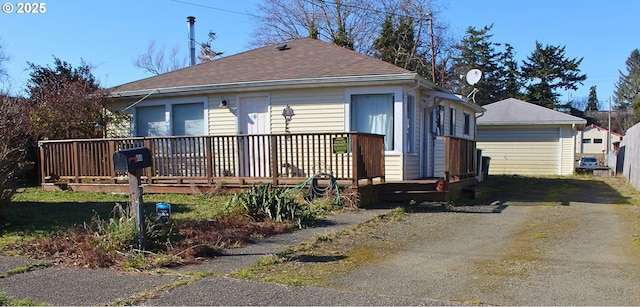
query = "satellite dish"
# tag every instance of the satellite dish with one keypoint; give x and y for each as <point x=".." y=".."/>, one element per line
<point x="473" y="76"/>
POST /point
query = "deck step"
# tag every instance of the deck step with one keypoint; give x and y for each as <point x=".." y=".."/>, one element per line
<point x="408" y="191"/>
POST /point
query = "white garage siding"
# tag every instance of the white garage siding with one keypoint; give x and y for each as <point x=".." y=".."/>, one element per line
<point x="522" y="151"/>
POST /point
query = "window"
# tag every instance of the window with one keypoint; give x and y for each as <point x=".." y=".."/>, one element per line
<point x="586" y="141"/>
<point x="188" y="119"/>
<point x="373" y="113"/>
<point x="437" y="119"/>
<point x="150" y="121"/>
<point x="452" y="121"/>
<point x="179" y="117"/>
<point x="597" y="141"/>
<point x="410" y="135"/>
<point x="467" y="124"/>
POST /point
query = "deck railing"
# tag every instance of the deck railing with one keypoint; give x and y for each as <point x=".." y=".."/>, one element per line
<point x="205" y="159"/>
<point x="461" y="160"/>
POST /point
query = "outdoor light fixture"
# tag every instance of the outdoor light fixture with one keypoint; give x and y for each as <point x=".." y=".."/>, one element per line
<point x="223" y="103"/>
<point x="288" y="114"/>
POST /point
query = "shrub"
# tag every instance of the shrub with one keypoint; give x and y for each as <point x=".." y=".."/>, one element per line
<point x="265" y="201"/>
<point x="13" y="147"/>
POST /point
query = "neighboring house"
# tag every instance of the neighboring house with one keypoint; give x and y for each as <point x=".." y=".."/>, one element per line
<point x="594" y="141"/>
<point x="526" y="139"/>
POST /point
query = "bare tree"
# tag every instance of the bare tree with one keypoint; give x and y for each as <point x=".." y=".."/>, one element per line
<point x="157" y="61"/>
<point x="348" y="23"/>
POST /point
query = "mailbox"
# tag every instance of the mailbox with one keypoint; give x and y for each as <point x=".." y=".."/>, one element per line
<point x="131" y="159"/>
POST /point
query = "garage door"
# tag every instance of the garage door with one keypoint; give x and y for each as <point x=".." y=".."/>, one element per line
<point x="522" y="151"/>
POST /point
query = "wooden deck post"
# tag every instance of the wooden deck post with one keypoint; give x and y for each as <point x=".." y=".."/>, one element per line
<point x="42" y="162"/>
<point x="274" y="159"/>
<point x="355" y="155"/>
<point x="209" y="158"/>
<point x="76" y="161"/>
<point x="150" y="170"/>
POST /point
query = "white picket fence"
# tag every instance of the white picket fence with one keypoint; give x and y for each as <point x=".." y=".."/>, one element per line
<point x="630" y="146"/>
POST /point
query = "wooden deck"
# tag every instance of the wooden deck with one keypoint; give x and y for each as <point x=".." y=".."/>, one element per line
<point x="204" y="164"/>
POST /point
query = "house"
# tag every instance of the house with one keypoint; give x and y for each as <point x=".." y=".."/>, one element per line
<point x="527" y="139"/>
<point x="597" y="141"/>
<point x="322" y="88"/>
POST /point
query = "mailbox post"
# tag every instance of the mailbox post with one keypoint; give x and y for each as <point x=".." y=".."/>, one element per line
<point x="132" y="161"/>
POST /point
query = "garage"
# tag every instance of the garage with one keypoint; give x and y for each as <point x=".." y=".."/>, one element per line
<point x="520" y="150"/>
<point x="522" y="138"/>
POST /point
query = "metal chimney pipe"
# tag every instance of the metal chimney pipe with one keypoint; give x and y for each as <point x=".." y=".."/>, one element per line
<point x="192" y="39"/>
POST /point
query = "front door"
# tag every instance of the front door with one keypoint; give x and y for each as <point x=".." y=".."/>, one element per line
<point x="254" y="124"/>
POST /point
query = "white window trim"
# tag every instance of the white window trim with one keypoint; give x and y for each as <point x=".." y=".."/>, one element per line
<point x="413" y="121"/>
<point x="168" y="103"/>
<point x="398" y="114"/>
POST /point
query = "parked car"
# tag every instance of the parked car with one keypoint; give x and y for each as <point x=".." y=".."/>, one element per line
<point x="588" y="162"/>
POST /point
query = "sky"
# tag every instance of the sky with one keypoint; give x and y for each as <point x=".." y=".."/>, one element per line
<point x="110" y="34"/>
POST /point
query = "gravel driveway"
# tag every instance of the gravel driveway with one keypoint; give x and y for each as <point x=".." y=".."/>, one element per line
<point x="566" y="244"/>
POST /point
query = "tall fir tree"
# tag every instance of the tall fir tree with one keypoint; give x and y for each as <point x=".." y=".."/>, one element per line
<point x="510" y="82"/>
<point x="546" y="70"/>
<point x="396" y="44"/>
<point x="592" y="101"/>
<point x="476" y="51"/>
<point x="628" y="86"/>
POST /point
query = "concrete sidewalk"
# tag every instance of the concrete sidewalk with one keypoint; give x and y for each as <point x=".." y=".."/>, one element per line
<point x="76" y="286"/>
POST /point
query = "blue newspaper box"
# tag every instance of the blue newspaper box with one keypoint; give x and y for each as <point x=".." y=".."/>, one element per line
<point x="163" y="210"/>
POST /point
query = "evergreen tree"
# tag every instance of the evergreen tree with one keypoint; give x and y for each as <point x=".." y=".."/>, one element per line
<point x="546" y="70"/>
<point x="396" y="44"/>
<point x="628" y="85"/>
<point x="592" y="102"/>
<point x="510" y="83"/>
<point x="477" y="51"/>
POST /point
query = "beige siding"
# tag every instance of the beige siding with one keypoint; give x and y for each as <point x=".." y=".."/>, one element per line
<point x="568" y="150"/>
<point x="522" y="151"/>
<point x="318" y="110"/>
<point x="393" y="167"/>
<point x="223" y="121"/>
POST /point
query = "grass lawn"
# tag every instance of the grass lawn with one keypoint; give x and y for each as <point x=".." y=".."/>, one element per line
<point x="34" y="212"/>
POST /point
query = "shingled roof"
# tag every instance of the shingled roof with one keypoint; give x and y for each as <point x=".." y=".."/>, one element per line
<point x="514" y="111"/>
<point x="303" y="58"/>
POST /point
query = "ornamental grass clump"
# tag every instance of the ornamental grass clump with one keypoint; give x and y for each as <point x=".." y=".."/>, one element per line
<point x="265" y="201"/>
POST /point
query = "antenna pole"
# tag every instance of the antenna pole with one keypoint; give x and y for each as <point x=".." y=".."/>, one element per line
<point x="433" y="50"/>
